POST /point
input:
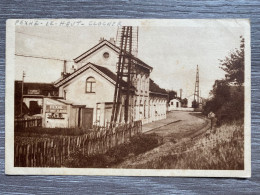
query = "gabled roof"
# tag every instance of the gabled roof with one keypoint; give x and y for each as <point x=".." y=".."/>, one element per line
<point x="95" y="48"/>
<point x="106" y="73"/>
<point x="113" y="47"/>
<point x="43" y="89"/>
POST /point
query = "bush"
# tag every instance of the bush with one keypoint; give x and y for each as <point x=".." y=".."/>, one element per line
<point x="227" y="103"/>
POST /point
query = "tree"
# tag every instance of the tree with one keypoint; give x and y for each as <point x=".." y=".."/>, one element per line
<point x="184" y="102"/>
<point x="172" y="95"/>
<point x="195" y="104"/>
<point x="227" y="95"/>
<point x="234" y="65"/>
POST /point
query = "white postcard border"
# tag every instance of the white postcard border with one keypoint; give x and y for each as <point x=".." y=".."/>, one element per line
<point x="9" y="99"/>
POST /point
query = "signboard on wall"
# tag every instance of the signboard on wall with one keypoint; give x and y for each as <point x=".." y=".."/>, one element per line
<point x="56" y="108"/>
<point x="33" y="92"/>
<point x="56" y="111"/>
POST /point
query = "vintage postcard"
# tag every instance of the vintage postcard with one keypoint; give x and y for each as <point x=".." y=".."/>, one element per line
<point x="141" y="97"/>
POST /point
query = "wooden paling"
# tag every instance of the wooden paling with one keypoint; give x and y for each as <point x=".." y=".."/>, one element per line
<point x="53" y="152"/>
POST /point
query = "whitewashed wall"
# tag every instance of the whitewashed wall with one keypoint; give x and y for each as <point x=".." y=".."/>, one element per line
<point x="76" y="91"/>
<point x="98" y="59"/>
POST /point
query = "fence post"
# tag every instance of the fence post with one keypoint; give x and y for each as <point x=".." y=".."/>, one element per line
<point x="27" y="155"/>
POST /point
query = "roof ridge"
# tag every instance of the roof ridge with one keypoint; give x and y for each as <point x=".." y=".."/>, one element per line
<point x="34" y="82"/>
<point x="100" y="43"/>
<point x="103" y="71"/>
<point x="105" y="41"/>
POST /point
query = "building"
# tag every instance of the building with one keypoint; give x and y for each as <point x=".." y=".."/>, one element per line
<point x="86" y="91"/>
<point x="33" y="95"/>
<point x="177" y="105"/>
<point x="174" y="104"/>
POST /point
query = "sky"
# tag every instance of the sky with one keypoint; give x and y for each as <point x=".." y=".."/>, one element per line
<point x="173" y="51"/>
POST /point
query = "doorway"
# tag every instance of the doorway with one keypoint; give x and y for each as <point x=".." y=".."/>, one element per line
<point x="87" y="118"/>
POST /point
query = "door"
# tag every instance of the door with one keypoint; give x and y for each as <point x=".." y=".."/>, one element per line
<point x="34" y="108"/>
<point x="87" y="118"/>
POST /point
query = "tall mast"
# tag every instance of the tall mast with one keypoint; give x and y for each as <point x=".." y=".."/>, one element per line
<point x="196" y="92"/>
<point x="125" y="68"/>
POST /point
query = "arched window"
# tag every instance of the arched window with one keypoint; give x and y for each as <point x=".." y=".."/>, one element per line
<point x="90" y="85"/>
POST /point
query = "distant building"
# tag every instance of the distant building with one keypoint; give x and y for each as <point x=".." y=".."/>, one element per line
<point x="174" y="104"/>
<point x="178" y="104"/>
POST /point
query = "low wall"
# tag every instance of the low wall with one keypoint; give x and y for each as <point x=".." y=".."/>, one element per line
<point x="182" y="109"/>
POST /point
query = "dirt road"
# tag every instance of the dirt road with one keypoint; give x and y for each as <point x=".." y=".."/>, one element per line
<point x="179" y="127"/>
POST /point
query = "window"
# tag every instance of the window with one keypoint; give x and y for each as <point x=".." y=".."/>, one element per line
<point x="90" y="85"/>
<point x="106" y="55"/>
<point x="143" y="83"/>
<point x="65" y="93"/>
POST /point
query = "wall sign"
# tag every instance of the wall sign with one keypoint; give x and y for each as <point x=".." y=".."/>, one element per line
<point x="56" y="108"/>
<point x="33" y="91"/>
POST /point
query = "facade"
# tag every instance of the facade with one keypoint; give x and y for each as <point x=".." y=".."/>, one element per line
<point x="33" y="95"/>
<point x="63" y="114"/>
<point x="174" y="104"/>
<point x="93" y="80"/>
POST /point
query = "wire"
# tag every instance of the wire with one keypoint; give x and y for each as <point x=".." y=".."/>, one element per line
<point x="36" y="36"/>
<point x="41" y="57"/>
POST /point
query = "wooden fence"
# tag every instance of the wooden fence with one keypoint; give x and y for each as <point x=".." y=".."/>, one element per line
<point x="53" y="152"/>
<point x="29" y="122"/>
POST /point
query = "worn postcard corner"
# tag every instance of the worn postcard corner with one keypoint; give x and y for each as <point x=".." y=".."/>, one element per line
<point x="142" y="97"/>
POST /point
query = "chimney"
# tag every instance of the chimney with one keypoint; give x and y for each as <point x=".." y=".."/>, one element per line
<point x="181" y="93"/>
<point x="134" y="52"/>
<point x="101" y="39"/>
<point x="64" y="68"/>
<point x="72" y="69"/>
<point x="112" y="40"/>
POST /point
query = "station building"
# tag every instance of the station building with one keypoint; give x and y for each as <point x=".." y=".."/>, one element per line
<point x="86" y="91"/>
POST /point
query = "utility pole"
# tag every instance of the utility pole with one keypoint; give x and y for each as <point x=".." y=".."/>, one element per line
<point x="200" y="97"/>
<point x="22" y="93"/>
<point x="196" y="92"/>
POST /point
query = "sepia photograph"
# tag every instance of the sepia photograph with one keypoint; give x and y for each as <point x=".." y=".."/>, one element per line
<point x="155" y="97"/>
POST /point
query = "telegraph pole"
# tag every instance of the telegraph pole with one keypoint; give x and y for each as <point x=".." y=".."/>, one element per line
<point x="196" y="93"/>
<point x="22" y="93"/>
<point x="200" y="97"/>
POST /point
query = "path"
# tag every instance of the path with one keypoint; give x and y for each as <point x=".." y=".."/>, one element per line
<point x="179" y="127"/>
